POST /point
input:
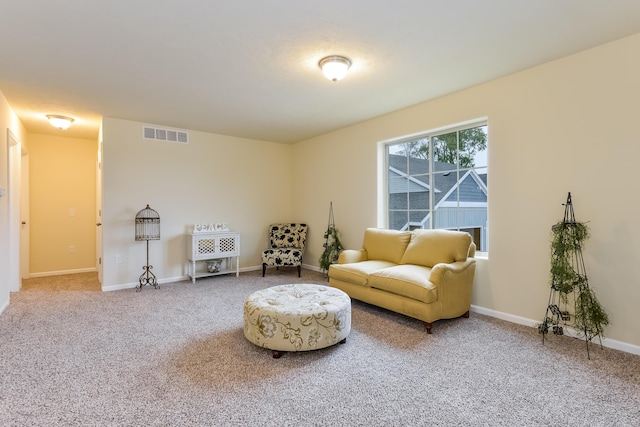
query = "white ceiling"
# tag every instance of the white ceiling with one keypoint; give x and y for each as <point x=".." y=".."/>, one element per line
<point x="249" y="68"/>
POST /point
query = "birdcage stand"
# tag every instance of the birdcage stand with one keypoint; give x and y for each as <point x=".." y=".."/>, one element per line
<point x="147" y="228"/>
<point x="147" y="278"/>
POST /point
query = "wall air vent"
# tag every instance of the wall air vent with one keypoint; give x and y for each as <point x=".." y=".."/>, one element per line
<point x="169" y="135"/>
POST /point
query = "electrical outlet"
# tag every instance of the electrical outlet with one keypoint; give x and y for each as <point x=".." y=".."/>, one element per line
<point x="72" y="249"/>
<point x="118" y="259"/>
<point x="72" y="212"/>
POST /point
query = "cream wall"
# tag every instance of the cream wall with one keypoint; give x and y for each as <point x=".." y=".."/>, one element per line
<point x="8" y="120"/>
<point x="214" y="178"/>
<point x="63" y="204"/>
<point x="569" y="125"/>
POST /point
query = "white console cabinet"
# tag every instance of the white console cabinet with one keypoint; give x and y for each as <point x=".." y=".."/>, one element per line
<point x="223" y="246"/>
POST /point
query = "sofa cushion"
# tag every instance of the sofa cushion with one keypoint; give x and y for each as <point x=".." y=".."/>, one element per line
<point x="387" y="245"/>
<point x="430" y="247"/>
<point x="411" y="281"/>
<point x="357" y="272"/>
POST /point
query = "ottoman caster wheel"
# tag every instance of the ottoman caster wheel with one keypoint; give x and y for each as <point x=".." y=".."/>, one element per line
<point x="276" y="354"/>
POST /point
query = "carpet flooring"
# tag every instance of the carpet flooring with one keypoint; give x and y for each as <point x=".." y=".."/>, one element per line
<point x="71" y="355"/>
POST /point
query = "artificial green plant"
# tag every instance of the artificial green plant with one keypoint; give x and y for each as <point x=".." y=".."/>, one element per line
<point x="332" y="248"/>
<point x="569" y="277"/>
<point x="332" y="244"/>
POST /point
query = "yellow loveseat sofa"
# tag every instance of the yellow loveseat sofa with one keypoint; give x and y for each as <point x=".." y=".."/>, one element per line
<point x="424" y="274"/>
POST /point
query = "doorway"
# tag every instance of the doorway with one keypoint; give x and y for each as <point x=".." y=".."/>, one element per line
<point x="62" y="220"/>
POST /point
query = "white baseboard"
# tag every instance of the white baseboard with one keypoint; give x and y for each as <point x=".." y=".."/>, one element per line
<point x="252" y="268"/>
<point x="186" y="277"/>
<point x="312" y="267"/>
<point x="118" y="287"/>
<point x="163" y="281"/>
<point x="606" y="342"/>
<point x="134" y="284"/>
<point x="504" y="316"/>
<point x="61" y="272"/>
<point x="259" y="267"/>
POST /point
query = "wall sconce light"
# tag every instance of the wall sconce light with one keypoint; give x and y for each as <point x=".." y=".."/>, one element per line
<point x="60" y="122"/>
<point x="334" y="67"/>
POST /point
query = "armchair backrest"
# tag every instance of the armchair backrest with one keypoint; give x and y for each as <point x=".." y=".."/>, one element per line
<point x="288" y="235"/>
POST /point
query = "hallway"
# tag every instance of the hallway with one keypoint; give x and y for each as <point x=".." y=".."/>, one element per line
<point x="64" y="282"/>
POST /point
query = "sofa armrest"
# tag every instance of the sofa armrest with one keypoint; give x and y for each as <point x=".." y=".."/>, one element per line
<point x="439" y="271"/>
<point x="454" y="282"/>
<point x="352" y="255"/>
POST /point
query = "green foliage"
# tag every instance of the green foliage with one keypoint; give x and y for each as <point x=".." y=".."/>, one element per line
<point x="471" y="141"/>
<point x="566" y="246"/>
<point x="563" y="277"/>
<point x="332" y="248"/>
<point x="445" y="147"/>
<point x="590" y="317"/>
<point x="566" y="239"/>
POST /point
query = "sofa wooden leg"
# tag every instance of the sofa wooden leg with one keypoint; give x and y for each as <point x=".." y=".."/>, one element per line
<point x="428" y="326"/>
<point x="466" y="315"/>
<point x="276" y="354"/>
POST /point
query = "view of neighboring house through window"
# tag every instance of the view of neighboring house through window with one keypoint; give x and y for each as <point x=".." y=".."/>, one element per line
<point x="439" y="181"/>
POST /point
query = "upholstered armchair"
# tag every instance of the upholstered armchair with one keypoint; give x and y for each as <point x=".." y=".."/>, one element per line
<point x="286" y="246"/>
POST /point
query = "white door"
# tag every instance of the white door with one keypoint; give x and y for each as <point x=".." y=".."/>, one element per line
<point x="99" y="261"/>
<point x="24" y="216"/>
<point x="15" y="162"/>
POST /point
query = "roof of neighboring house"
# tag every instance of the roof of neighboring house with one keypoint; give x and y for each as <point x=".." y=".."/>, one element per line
<point x="471" y="185"/>
<point x="399" y="166"/>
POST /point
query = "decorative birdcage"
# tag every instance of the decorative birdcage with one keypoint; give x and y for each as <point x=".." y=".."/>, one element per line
<point x="147" y="228"/>
<point x="147" y="224"/>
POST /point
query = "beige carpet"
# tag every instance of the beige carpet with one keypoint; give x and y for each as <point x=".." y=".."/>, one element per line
<point x="177" y="356"/>
<point x="63" y="282"/>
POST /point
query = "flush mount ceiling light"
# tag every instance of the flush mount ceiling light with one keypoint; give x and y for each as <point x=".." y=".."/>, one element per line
<point x="334" y="67"/>
<point x="60" y="122"/>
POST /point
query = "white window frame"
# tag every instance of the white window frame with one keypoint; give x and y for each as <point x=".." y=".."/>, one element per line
<point x="383" y="171"/>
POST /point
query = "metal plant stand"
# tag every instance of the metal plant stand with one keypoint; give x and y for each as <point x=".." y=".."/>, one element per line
<point x="558" y="316"/>
<point x="147" y="228"/>
<point x="332" y="245"/>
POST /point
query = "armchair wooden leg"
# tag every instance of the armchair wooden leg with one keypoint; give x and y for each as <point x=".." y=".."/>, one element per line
<point x="298" y="271"/>
<point x="264" y="268"/>
<point x="466" y="315"/>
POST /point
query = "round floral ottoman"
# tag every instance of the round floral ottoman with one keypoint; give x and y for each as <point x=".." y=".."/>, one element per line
<point x="297" y="317"/>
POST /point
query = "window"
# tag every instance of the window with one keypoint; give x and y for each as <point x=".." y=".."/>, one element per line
<point x="439" y="180"/>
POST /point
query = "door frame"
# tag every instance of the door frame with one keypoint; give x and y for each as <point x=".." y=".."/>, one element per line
<point x="99" y="260"/>
<point x="15" y="153"/>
